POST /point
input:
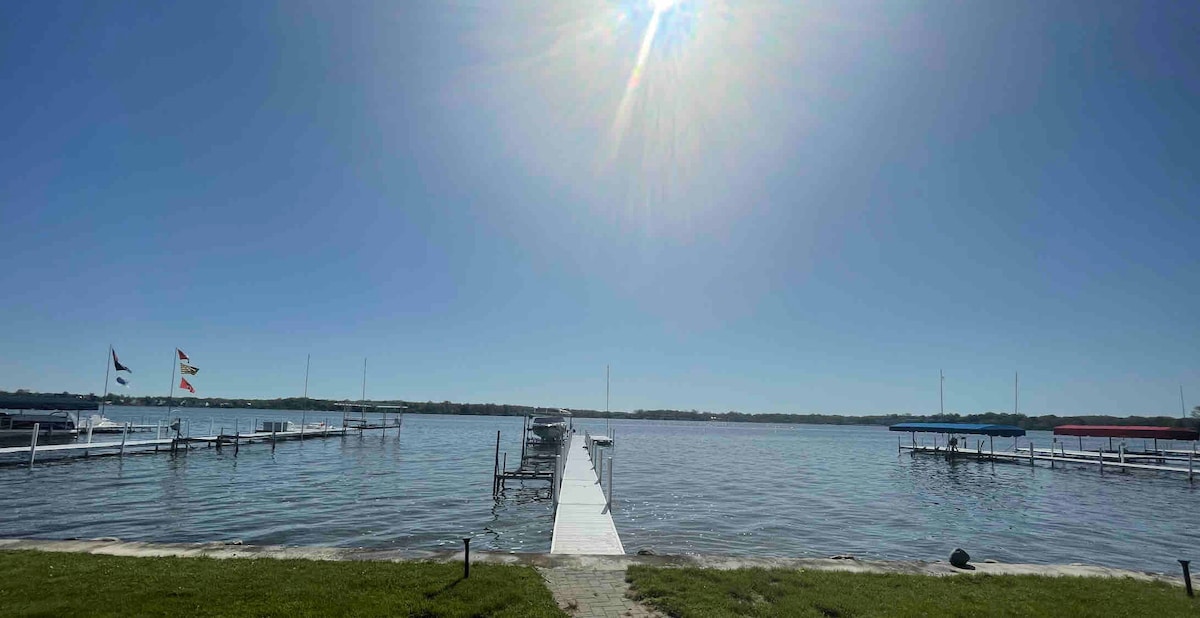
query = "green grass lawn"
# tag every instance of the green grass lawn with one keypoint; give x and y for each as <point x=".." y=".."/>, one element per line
<point x="61" y="584"/>
<point x="777" y="592"/>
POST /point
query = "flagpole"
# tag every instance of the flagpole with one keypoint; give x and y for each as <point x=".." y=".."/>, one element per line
<point x="107" y="366"/>
<point x="307" y="364"/>
<point x="174" y="359"/>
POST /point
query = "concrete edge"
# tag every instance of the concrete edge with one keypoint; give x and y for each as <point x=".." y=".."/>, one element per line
<point x="220" y="550"/>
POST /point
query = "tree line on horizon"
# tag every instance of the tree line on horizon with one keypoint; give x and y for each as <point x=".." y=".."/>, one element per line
<point x="490" y="409"/>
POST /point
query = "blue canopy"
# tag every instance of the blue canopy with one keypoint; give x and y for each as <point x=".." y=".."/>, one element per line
<point x="1007" y="431"/>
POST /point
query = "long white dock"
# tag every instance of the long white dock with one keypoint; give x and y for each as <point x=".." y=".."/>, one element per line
<point x="582" y="522"/>
<point x="1103" y="460"/>
<point x="236" y="439"/>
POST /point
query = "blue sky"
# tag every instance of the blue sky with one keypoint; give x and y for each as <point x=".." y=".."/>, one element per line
<point x="789" y="207"/>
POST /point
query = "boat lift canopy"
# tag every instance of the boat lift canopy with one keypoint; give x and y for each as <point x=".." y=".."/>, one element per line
<point x="1130" y="431"/>
<point x="972" y="428"/>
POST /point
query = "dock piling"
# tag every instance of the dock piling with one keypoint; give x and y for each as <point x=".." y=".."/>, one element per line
<point x="124" y="435"/>
<point x="496" y="467"/>
<point x="608" y="503"/>
<point x="1187" y="576"/>
<point x="37" y="427"/>
<point x="1191" y="456"/>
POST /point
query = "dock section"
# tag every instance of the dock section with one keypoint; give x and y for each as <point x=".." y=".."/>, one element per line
<point x="582" y="521"/>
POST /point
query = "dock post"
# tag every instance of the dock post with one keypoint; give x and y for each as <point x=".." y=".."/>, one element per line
<point x="1100" y="454"/>
<point x="496" y="467"/>
<point x="899" y="445"/>
<point x="37" y="427"/>
<point x="1031" y="452"/>
<point x="124" y="434"/>
<point x="1190" y="458"/>
<point x="1122" y="452"/>
<point x="237" y="442"/>
<point x="600" y="472"/>
<point x="608" y="505"/>
<point x="273" y="428"/>
<point x="992" y="445"/>
<point x="554" y="482"/>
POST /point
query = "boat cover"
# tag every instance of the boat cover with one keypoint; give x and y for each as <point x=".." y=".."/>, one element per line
<point x="974" y="428"/>
<point x="1128" y="431"/>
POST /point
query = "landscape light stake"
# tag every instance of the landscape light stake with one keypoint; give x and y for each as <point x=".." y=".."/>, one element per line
<point x="467" y="558"/>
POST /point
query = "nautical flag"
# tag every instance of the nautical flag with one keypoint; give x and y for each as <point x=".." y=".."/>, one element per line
<point x="182" y="356"/>
<point x="122" y="381"/>
<point x="183" y="383"/>
<point x="188" y="369"/>
<point x="117" y="364"/>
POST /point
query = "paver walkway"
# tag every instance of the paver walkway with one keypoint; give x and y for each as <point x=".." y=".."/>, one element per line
<point x="586" y="593"/>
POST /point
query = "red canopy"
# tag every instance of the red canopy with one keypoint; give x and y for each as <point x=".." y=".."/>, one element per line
<point x="1128" y="431"/>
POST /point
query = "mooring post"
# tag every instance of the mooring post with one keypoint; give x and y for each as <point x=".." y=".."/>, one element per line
<point x="124" y="434"/>
<point x="1031" y="452"/>
<point x="1100" y="454"/>
<point x="237" y="435"/>
<point x="1190" y="457"/>
<point x="274" y="426"/>
<point x="1122" y="452"/>
<point x="37" y="427"/>
<point x="600" y="473"/>
<point x="466" y="557"/>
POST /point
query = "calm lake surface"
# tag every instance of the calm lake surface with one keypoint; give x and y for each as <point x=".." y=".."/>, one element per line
<point x="711" y="488"/>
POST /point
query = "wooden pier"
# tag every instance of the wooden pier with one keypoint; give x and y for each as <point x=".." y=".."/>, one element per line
<point x="583" y="521"/>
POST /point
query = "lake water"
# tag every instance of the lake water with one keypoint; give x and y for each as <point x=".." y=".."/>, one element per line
<point x="710" y="488"/>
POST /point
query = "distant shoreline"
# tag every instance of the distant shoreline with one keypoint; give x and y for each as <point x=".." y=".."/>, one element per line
<point x="490" y="409"/>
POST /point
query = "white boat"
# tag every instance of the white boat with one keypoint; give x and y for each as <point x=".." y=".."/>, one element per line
<point x="286" y="426"/>
<point x="20" y="423"/>
<point x="549" y="428"/>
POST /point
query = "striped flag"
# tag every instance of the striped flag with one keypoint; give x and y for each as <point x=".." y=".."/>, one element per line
<point x="185" y="368"/>
<point x="183" y="383"/>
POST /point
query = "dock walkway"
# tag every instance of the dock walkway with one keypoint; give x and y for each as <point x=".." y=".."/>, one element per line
<point x="1098" y="459"/>
<point x="582" y="522"/>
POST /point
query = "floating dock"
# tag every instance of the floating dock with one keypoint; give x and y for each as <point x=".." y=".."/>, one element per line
<point x="583" y="521"/>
